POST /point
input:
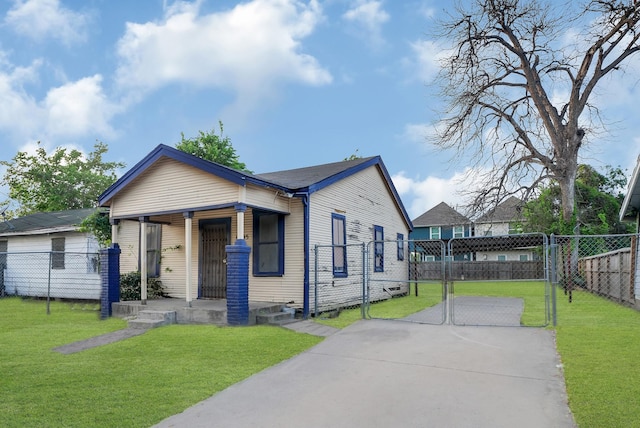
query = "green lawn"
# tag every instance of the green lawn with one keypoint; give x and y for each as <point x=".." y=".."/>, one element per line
<point x="127" y="383"/>
<point x="133" y="383"/>
<point x="599" y="343"/>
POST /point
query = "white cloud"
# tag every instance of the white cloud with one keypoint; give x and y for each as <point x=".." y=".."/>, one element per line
<point x="47" y="19"/>
<point x="368" y="16"/>
<point x="79" y="108"/>
<point x="74" y="109"/>
<point x="249" y="49"/>
<point x="425" y="193"/>
<point x="425" y="62"/>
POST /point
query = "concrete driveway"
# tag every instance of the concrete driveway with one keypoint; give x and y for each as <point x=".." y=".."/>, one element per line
<point x="381" y="373"/>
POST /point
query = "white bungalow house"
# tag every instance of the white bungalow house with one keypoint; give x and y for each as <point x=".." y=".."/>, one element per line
<point x="195" y="215"/>
<point x="46" y="253"/>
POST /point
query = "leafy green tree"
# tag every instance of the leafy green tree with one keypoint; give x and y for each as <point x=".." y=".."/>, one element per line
<point x="598" y="200"/>
<point x="98" y="224"/>
<point x="214" y="148"/>
<point x="354" y="156"/>
<point x="63" y="180"/>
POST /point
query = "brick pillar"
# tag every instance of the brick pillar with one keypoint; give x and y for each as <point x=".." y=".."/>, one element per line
<point x="110" y="279"/>
<point x="238" y="283"/>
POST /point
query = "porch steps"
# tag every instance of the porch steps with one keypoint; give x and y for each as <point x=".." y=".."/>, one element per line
<point x="150" y="319"/>
<point x="282" y="317"/>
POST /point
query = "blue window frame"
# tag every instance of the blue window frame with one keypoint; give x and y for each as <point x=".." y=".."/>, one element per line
<point x="378" y="245"/>
<point x="339" y="241"/>
<point x="400" y="239"/>
<point x="268" y="244"/>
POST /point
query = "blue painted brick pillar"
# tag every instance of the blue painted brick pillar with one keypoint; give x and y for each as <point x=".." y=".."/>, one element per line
<point x="238" y="283"/>
<point x="110" y="279"/>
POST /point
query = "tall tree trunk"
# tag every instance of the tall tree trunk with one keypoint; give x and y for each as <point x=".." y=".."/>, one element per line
<point x="568" y="189"/>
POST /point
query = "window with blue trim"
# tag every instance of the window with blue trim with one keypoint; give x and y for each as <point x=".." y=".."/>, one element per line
<point x="339" y="241"/>
<point x="268" y="244"/>
<point x="400" y="239"/>
<point x="378" y="252"/>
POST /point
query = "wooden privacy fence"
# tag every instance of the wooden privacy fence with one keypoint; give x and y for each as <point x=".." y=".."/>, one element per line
<point x="609" y="274"/>
<point x="479" y="270"/>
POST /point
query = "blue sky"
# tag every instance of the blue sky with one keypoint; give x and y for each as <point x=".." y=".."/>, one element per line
<point x="296" y="83"/>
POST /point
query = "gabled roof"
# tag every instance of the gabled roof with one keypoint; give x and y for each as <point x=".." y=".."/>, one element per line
<point x="509" y="210"/>
<point x="632" y="198"/>
<point x="313" y="178"/>
<point x="47" y="222"/>
<point x="441" y="215"/>
<point x="301" y="180"/>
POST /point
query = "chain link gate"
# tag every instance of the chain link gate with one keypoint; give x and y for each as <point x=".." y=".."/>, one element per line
<point x="411" y="271"/>
<point x="499" y="281"/>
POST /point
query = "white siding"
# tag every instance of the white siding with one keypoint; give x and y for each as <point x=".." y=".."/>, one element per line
<point x="365" y="200"/>
<point x="28" y="259"/>
<point x="172" y="185"/>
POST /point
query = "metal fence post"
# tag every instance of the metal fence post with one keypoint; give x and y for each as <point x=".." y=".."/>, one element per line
<point x="315" y="281"/>
<point x="49" y="283"/>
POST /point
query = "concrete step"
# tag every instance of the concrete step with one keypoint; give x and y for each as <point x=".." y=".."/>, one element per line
<point x="275" y="318"/>
<point x="150" y="319"/>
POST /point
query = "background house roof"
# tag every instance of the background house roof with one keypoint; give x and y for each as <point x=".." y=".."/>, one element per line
<point x="441" y="215"/>
<point x="509" y="210"/>
<point x="57" y="221"/>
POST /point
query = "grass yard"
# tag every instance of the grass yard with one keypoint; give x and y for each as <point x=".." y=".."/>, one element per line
<point x="133" y="383"/>
<point x="599" y="343"/>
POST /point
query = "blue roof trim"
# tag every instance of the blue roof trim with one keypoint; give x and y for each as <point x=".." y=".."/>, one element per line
<point x="162" y="150"/>
<point x="376" y="160"/>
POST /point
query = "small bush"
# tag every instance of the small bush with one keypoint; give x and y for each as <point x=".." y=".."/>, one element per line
<point x="130" y="287"/>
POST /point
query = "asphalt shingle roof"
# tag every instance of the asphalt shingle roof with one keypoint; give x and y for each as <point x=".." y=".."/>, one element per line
<point x="441" y="215"/>
<point x="300" y="178"/>
<point x="509" y="210"/>
<point x="45" y="220"/>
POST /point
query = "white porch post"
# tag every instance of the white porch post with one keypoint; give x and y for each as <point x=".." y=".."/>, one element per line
<point x="188" y="221"/>
<point x="114" y="230"/>
<point x="240" y="209"/>
<point x="143" y="259"/>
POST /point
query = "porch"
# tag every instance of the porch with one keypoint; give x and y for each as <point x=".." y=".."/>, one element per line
<point x="203" y="311"/>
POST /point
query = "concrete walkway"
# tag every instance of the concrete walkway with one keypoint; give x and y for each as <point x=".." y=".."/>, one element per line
<point x="380" y="373"/>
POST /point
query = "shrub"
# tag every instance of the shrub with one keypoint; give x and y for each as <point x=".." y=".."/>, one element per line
<point x="130" y="287"/>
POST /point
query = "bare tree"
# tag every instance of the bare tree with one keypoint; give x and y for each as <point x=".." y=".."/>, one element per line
<point x="517" y="91"/>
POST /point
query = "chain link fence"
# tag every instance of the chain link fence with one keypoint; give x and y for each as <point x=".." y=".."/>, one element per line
<point x="604" y="265"/>
<point x="413" y="270"/>
<point x="499" y="280"/>
<point x="50" y="275"/>
<point x="338" y="277"/>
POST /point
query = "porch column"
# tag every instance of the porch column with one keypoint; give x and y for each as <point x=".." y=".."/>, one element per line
<point x="240" y="210"/>
<point x="238" y="271"/>
<point x="238" y="283"/>
<point x="188" y="221"/>
<point x="114" y="230"/>
<point x="143" y="259"/>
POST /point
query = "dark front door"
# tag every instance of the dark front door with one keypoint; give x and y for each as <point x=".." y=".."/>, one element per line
<point x="213" y="260"/>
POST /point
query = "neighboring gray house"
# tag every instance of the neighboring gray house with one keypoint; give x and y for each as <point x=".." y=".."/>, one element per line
<point x="46" y="253"/>
<point x="505" y="219"/>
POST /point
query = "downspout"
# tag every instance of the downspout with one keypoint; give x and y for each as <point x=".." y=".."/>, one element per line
<point x="305" y="203"/>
